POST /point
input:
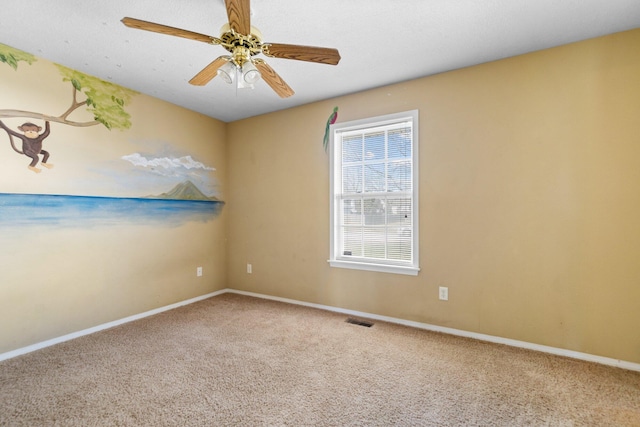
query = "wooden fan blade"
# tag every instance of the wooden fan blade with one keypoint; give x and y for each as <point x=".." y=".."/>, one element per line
<point x="209" y="72"/>
<point x="165" y="29"/>
<point x="273" y="79"/>
<point x="239" y="14"/>
<point x="323" y="55"/>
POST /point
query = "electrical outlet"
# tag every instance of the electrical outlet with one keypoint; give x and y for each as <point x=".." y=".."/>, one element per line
<point x="249" y="269"/>
<point x="199" y="271"/>
<point x="443" y="293"/>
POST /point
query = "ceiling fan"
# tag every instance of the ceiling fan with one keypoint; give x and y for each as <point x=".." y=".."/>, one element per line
<point x="243" y="42"/>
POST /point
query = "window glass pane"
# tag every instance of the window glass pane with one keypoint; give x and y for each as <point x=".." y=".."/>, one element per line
<point x="352" y="179"/>
<point x="352" y="211"/>
<point x="374" y="242"/>
<point x="399" y="145"/>
<point x="374" y="178"/>
<point x="374" y="146"/>
<point x="374" y="211"/>
<point x="399" y="212"/>
<point x="399" y="243"/>
<point x="399" y="176"/>
<point x="352" y="241"/>
<point x="352" y="149"/>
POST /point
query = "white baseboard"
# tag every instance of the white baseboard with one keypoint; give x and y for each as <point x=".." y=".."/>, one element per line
<point x="53" y="341"/>
<point x="482" y="337"/>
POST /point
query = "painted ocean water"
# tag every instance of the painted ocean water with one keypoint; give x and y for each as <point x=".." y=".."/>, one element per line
<point x="23" y="210"/>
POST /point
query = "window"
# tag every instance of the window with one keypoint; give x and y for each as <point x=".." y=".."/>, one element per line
<point x="374" y="195"/>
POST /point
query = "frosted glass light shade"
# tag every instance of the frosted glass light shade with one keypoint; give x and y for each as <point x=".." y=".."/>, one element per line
<point x="250" y="73"/>
<point x="227" y="72"/>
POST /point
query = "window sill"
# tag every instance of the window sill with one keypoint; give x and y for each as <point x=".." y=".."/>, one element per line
<point x="382" y="268"/>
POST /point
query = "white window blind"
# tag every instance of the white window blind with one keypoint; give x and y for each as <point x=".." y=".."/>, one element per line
<point x="374" y="195"/>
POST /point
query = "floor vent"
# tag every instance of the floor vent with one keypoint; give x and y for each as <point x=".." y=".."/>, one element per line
<point x="359" y="322"/>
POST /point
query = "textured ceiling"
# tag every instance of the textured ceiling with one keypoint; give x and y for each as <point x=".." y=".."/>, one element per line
<point x="381" y="42"/>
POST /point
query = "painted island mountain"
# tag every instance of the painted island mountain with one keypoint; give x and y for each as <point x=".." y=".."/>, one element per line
<point x="186" y="190"/>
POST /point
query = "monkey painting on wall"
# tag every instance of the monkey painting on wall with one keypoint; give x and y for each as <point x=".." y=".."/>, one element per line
<point x="31" y="143"/>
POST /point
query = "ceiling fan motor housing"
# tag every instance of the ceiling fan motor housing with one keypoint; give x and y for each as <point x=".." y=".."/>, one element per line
<point x="241" y="47"/>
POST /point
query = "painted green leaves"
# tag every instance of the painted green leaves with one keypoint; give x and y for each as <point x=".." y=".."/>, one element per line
<point x="12" y="57"/>
<point x="106" y="101"/>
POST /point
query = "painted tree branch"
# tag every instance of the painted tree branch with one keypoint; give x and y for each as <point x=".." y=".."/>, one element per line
<point x="74" y="104"/>
<point x="60" y="119"/>
<point x="45" y="117"/>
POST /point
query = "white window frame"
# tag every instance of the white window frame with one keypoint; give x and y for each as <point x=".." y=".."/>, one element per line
<point x="337" y="257"/>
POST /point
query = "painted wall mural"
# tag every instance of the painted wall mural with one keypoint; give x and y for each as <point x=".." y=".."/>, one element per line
<point x="154" y="182"/>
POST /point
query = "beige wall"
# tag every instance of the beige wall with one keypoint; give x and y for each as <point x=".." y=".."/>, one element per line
<point x="529" y="201"/>
<point x="55" y="281"/>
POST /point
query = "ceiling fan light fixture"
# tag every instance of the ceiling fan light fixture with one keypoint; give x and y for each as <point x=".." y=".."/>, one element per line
<point x="244" y="85"/>
<point x="227" y="72"/>
<point x="250" y="73"/>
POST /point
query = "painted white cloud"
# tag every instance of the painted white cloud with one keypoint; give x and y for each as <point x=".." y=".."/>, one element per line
<point x="185" y="162"/>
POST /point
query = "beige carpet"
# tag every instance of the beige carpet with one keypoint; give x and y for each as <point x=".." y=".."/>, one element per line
<point x="233" y="360"/>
